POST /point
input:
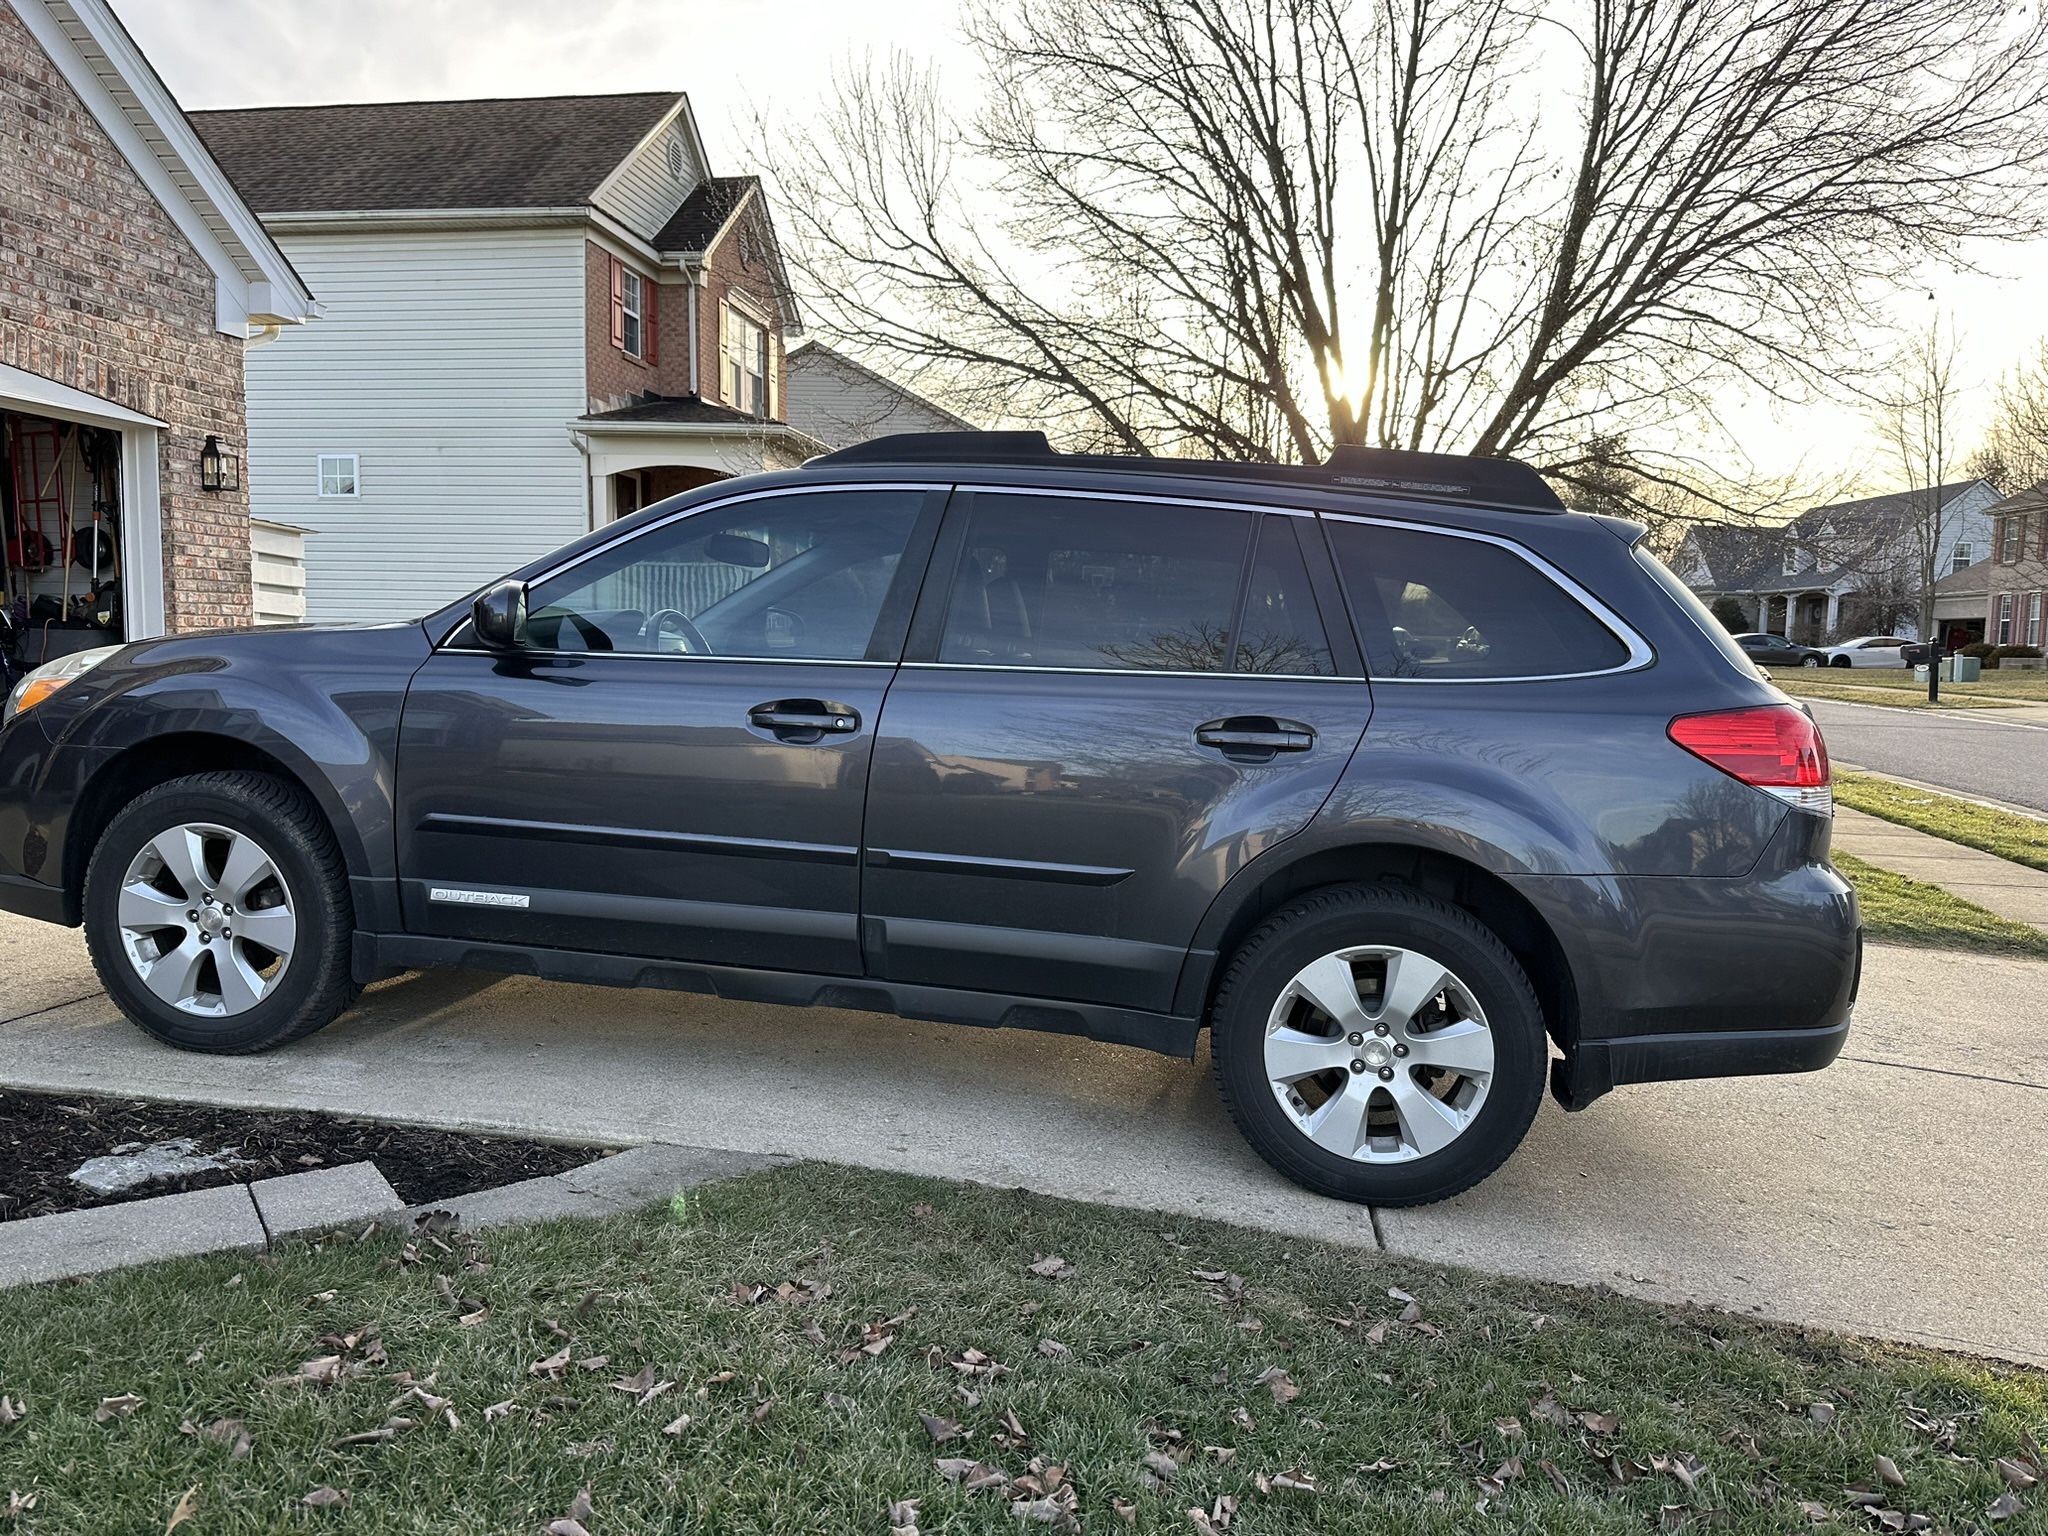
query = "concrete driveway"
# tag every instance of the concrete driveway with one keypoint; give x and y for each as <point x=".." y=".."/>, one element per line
<point x="1898" y="1194"/>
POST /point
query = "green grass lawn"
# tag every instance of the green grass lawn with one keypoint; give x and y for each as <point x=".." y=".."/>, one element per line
<point x="1899" y="910"/>
<point x="1835" y="684"/>
<point x="2023" y="839"/>
<point x="955" y="1358"/>
<point x="2001" y="685"/>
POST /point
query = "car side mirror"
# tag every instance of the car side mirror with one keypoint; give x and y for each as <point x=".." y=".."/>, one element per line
<point x="499" y="614"/>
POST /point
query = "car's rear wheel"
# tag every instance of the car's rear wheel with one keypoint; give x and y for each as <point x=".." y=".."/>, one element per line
<point x="1379" y="1045"/>
<point x="217" y="913"/>
<point x="1839" y="661"/>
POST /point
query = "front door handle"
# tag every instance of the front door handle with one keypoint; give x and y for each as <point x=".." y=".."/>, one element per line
<point x="1255" y="738"/>
<point x="804" y="720"/>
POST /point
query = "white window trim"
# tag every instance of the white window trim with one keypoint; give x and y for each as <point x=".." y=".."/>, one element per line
<point x="1956" y="560"/>
<point x="2002" y="625"/>
<point x="355" y="477"/>
<point x="633" y="305"/>
<point x="735" y="304"/>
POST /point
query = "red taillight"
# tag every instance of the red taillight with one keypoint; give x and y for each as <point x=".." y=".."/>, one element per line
<point x="1772" y="746"/>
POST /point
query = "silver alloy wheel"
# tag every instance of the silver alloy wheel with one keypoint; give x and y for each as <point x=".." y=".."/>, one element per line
<point x="1379" y="1054"/>
<point x="207" y="919"/>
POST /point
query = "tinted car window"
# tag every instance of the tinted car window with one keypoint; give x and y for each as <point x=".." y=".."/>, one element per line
<point x="782" y="576"/>
<point x="1055" y="583"/>
<point x="1435" y="606"/>
<point x="1281" y="631"/>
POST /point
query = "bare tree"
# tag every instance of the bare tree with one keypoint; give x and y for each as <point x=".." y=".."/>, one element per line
<point x="1256" y="228"/>
<point x="2014" y="453"/>
<point x="1917" y="423"/>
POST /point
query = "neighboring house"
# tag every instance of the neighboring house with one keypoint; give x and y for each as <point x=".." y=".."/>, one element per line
<point x="539" y="314"/>
<point x="2016" y="600"/>
<point x="1797" y="579"/>
<point x="131" y="276"/>
<point x="840" y="402"/>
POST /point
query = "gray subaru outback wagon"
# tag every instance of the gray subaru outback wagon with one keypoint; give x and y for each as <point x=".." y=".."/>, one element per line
<point x="1409" y="786"/>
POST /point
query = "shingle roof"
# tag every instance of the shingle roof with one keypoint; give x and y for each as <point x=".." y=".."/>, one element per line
<point x="704" y="213"/>
<point x="1753" y="559"/>
<point x="518" y="152"/>
<point x="684" y="409"/>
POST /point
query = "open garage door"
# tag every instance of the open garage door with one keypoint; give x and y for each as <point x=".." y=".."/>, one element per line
<point x="81" y="511"/>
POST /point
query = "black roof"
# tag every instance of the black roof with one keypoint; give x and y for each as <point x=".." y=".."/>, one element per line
<point x="704" y="213"/>
<point x="1434" y="476"/>
<point x="681" y="409"/>
<point x="510" y="152"/>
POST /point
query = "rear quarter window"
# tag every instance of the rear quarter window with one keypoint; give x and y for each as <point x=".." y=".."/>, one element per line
<point x="1441" y="607"/>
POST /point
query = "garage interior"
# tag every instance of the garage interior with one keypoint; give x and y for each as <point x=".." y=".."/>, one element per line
<point x="61" y="555"/>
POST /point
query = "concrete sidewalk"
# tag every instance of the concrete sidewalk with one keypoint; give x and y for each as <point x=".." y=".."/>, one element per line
<point x="1896" y="1194"/>
<point x="2016" y="891"/>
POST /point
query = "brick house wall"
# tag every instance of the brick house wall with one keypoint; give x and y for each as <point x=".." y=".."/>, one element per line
<point x="101" y="292"/>
<point x="2019" y="585"/>
<point x="725" y="274"/>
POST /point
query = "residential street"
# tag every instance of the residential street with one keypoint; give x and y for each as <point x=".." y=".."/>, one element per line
<point x="1895" y="1194"/>
<point x="1974" y="752"/>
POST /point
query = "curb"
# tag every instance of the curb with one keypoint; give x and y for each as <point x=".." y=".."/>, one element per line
<point x="253" y="1217"/>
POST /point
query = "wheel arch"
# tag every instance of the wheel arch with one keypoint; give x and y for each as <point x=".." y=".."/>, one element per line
<point x="1492" y="900"/>
<point x="141" y="766"/>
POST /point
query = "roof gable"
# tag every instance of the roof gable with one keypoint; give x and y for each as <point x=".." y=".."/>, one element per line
<point x="511" y="152"/>
<point x="254" y="283"/>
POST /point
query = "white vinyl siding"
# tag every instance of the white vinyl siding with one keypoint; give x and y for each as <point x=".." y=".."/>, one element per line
<point x="642" y="195"/>
<point x="277" y="561"/>
<point x="451" y="363"/>
<point x="841" y="405"/>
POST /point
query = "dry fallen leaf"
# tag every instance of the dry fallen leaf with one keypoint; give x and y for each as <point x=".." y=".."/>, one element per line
<point x="187" y="1507"/>
<point x="1242" y="1418"/>
<point x="325" y="1498"/>
<point x="1126" y="1510"/>
<point x="1053" y="1267"/>
<point x="1293" y="1480"/>
<point x="1279" y="1383"/>
<point x="2004" y="1507"/>
<point x="1888" y="1473"/>
<point x="675" y="1426"/>
<point x="1599" y="1423"/>
<point x="972" y="1475"/>
<point x="1509" y="1428"/>
<point x="1053" y="1349"/>
<point x="11" y="1411"/>
<point x="553" y="1366"/>
<point x="941" y="1430"/>
<point x="1160" y="1469"/>
<point x="116" y="1407"/>
<point x="1821" y="1413"/>
<point x="2018" y="1476"/>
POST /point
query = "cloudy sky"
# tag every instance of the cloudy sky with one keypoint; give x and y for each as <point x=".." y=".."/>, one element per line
<point x="735" y="57"/>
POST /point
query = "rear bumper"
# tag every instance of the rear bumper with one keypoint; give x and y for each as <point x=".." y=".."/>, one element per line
<point x="1598" y="1065"/>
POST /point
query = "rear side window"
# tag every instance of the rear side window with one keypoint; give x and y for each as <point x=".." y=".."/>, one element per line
<point x="1281" y="632"/>
<point x="1438" y="607"/>
<point x="1046" y="582"/>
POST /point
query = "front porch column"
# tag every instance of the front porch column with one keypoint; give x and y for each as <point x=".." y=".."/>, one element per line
<point x="1763" y="613"/>
<point x="1834" y="612"/>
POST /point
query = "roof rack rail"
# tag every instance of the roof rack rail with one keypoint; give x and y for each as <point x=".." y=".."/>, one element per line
<point x="1388" y="471"/>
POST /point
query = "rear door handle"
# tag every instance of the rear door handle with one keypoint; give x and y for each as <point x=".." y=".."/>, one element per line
<point x="1255" y="738"/>
<point x="804" y="720"/>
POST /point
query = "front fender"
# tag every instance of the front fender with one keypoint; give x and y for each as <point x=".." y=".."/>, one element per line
<point x="324" y="704"/>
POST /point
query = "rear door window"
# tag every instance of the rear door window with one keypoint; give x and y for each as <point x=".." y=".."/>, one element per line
<point x="1440" y="607"/>
<point x="1281" y="632"/>
<point x="1047" y="581"/>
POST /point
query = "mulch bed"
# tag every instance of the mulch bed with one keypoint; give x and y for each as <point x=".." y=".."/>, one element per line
<point x="43" y="1137"/>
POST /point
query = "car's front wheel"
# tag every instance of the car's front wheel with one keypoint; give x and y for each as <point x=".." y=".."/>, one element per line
<point x="218" y="916"/>
<point x="1811" y="661"/>
<point x="1839" y="661"/>
<point x="1379" y="1045"/>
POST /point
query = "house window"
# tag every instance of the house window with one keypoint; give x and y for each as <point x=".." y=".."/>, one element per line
<point x="2004" y="635"/>
<point x="1963" y="557"/>
<point x="631" y="341"/>
<point x="1791" y="567"/>
<point x="2008" y="540"/>
<point x="746" y="363"/>
<point x="2034" y="619"/>
<point x="337" y="474"/>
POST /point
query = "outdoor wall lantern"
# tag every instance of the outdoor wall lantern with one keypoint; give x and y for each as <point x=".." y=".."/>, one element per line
<point x="218" y="470"/>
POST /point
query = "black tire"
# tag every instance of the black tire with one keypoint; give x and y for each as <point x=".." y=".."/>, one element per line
<point x="1839" y="661"/>
<point x="315" y="986"/>
<point x="1340" y="918"/>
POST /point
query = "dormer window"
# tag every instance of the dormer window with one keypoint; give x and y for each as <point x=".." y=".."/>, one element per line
<point x="1792" y="560"/>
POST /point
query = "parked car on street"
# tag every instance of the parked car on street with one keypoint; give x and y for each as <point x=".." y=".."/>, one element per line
<point x="1868" y="651"/>
<point x="1393" y="775"/>
<point x="1768" y="650"/>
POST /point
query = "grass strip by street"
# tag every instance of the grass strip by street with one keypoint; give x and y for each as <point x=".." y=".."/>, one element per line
<point x="1804" y="684"/>
<point x="1900" y="910"/>
<point x="2003" y="683"/>
<point x="827" y="1349"/>
<point x="2022" y="839"/>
